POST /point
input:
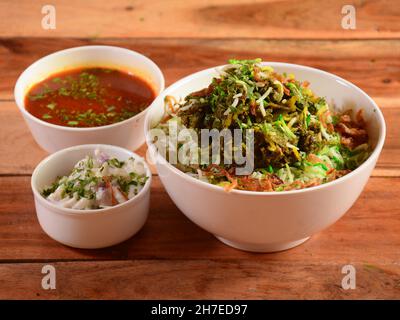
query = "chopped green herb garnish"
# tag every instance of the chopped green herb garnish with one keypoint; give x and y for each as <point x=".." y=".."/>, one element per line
<point x="299" y="140"/>
<point x="52" y="105"/>
<point x="95" y="183"/>
<point x="64" y="92"/>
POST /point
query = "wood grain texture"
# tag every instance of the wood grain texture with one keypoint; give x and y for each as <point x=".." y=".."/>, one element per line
<point x="369" y="233"/>
<point x="171" y="257"/>
<point x="373" y="65"/>
<point x="19" y="153"/>
<point x="199" y="279"/>
<point x="18" y="150"/>
<point x="309" y="19"/>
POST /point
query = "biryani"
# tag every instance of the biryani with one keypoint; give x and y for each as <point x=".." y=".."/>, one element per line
<point x="300" y="141"/>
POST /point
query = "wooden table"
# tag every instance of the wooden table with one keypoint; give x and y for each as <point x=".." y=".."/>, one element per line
<point x="171" y="257"/>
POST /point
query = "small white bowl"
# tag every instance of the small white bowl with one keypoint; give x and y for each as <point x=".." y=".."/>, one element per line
<point x="87" y="229"/>
<point x="127" y="133"/>
<point x="270" y="221"/>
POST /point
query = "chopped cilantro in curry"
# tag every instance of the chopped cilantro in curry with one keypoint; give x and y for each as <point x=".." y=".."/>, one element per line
<point x="89" y="97"/>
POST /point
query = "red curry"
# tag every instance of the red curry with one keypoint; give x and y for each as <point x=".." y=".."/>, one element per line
<point x="89" y="97"/>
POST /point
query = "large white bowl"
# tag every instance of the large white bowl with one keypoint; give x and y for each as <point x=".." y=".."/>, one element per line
<point x="270" y="221"/>
<point x="87" y="228"/>
<point x="127" y="133"/>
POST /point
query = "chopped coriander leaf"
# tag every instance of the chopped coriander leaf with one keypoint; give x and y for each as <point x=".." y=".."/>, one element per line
<point x="63" y="91"/>
<point x="91" y="95"/>
<point x="37" y="97"/>
<point x="52" y="105"/>
<point x="115" y="163"/>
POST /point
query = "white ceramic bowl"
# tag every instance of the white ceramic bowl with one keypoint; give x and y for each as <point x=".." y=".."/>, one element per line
<point x="127" y="133"/>
<point x="87" y="228"/>
<point x="270" y="221"/>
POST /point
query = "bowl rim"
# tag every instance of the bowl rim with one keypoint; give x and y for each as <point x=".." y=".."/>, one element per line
<point x="25" y="113"/>
<point x="77" y="212"/>
<point x="205" y="185"/>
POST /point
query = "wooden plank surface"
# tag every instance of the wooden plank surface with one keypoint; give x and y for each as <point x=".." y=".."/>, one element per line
<point x="377" y="71"/>
<point x="19" y="153"/>
<point x="198" y="279"/>
<point x="368" y="233"/>
<point x="171" y="257"/>
<point x="373" y="65"/>
<point x="311" y="19"/>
